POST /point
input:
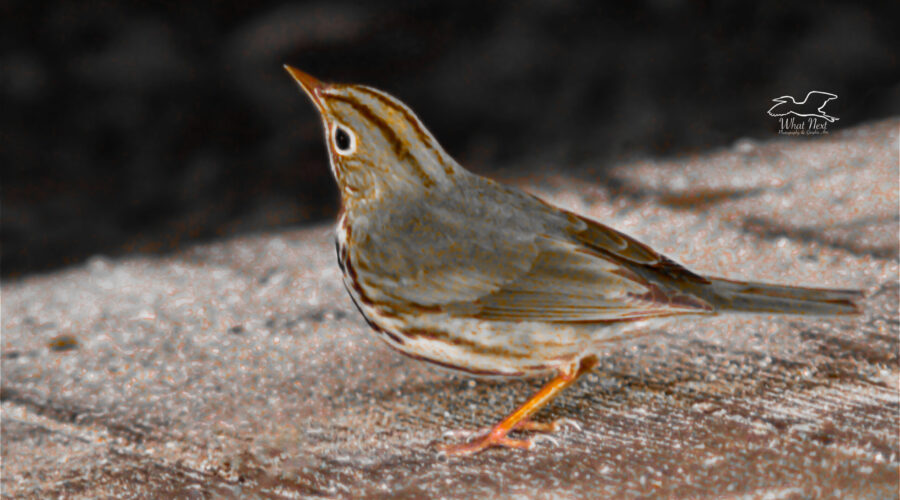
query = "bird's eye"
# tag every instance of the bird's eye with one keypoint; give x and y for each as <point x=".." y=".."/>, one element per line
<point x="344" y="140"/>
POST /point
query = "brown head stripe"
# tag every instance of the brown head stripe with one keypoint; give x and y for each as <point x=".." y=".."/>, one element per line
<point x="400" y="148"/>
<point x="412" y="119"/>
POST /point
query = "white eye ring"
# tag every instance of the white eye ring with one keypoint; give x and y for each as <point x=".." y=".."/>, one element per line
<point x="344" y="139"/>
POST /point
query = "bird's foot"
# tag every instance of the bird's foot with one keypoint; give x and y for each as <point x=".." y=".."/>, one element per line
<point x="483" y="442"/>
<point x="498" y="436"/>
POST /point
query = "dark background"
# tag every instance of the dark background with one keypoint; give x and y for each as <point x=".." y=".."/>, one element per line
<point x="130" y="127"/>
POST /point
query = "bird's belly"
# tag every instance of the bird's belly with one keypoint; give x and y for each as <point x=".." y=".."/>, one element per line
<point x="491" y="348"/>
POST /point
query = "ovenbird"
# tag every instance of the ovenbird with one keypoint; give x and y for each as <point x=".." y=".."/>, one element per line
<point x="456" y="269"/>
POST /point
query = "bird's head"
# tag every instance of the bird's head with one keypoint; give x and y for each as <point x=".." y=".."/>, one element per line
<point x="376" y="144"/>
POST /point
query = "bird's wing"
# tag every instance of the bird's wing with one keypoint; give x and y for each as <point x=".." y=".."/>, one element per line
<point x="597" y="275"/>
<point x="515" y="258"/>
<point x="829" y="98"/>
<point x="618" y="245"/>
<point x="818" y="98"/>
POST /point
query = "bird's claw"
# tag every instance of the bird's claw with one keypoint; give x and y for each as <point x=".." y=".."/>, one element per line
<point x="565" y="422"/>
<point x="539" y="438"/>
<point x="554" y="426"/>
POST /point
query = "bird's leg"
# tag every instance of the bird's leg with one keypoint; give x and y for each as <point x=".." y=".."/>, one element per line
<point x="520" y="419"/>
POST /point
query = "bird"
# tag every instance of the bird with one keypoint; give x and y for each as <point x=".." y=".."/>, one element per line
<point x="461" y="271"/>
<point x="812" y="105"/>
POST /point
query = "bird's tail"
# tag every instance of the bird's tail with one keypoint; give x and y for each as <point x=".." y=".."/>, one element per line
<point x="765" y="298"/>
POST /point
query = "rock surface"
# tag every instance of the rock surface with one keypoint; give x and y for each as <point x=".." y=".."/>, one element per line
<point x="240" y="368"/>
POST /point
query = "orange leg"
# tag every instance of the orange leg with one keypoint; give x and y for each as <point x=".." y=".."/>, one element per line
<point x="520" y="419"/>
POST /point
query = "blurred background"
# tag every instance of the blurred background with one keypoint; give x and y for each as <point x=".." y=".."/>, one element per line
<point x="132" y="127"/>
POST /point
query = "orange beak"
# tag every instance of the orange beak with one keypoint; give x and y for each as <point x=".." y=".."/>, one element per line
<point x="310" y="85"/>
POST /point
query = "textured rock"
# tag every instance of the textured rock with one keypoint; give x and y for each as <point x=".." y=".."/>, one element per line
<point x="240" y="367"/>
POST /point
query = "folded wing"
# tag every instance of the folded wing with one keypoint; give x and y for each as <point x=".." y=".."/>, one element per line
<point x="553" y="267"/>
<point x="599" y="275"/>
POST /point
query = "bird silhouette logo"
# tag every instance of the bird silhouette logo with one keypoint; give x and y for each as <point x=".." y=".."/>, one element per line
<point x="811" y="106"/>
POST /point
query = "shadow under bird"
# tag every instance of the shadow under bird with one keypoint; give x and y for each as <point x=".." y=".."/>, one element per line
<point x="458" y="270"/>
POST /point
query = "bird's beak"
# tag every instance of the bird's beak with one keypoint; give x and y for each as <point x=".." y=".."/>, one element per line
<point x="310" y="85"/>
